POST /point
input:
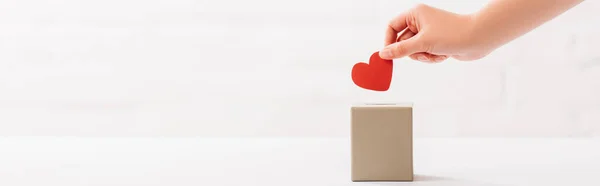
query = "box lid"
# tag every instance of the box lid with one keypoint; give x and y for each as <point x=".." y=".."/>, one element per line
<point x="382" y="104"/>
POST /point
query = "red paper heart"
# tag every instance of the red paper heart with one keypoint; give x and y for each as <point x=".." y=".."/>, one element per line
<point x="376" y="75"/>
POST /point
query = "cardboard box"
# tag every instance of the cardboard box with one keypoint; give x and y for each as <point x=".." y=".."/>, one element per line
<point x="382" y="142"/>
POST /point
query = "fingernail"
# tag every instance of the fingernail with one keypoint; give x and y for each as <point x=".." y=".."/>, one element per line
<point x="422" y="58"/>
<point x="438" y="59"/>
<point x="385" y="53"/>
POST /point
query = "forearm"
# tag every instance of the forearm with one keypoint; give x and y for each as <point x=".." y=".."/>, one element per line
<point x="502" y="21"/>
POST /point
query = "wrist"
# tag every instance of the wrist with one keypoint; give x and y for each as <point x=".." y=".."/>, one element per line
<point x="482" y="34"/>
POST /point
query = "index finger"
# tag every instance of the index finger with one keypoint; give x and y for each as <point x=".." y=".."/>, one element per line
<point x="395" y="26"/>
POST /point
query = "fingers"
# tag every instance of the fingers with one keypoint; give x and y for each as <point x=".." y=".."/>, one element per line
<point x="402" y="48"/>
<point x="395" y="26"/>
<point x="421" y="56"/>
<point x="405" y="35"/>
<point x="427" y="57"/>
<point x="406" y="44"/>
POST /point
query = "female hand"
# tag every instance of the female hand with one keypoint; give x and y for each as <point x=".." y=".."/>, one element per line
<point x="429" y="34"/>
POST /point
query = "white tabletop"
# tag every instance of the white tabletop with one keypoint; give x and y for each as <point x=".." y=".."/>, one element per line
<point x="52" y="161"/>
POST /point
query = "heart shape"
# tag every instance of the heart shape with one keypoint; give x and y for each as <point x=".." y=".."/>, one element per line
<point x="376" y="75"/>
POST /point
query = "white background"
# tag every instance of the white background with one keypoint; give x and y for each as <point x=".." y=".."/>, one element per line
<point x="190" y="161"/>
<point x="276" y="68"/>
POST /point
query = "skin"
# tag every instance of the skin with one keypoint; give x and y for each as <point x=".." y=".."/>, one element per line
<point x="429" y="34"/>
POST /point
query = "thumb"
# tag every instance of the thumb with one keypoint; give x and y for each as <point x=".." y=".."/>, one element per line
<point x="402" y="48"/>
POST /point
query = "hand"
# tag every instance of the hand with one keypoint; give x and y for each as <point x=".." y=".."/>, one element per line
<point x="432" y="35"/>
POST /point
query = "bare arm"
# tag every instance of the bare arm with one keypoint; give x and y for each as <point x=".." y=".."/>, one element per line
<point x="431" y="34"/>
<point x="502" y="21"/>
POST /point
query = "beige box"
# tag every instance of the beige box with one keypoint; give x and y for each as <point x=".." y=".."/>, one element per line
<point x="382" y="142"/>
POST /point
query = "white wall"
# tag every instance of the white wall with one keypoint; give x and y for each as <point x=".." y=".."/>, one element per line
<point x="276" y="68"/>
